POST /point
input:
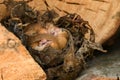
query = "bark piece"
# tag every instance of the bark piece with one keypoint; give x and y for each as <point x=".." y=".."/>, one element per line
<point x="3" y="11"/>
<point x="15" y="61"/>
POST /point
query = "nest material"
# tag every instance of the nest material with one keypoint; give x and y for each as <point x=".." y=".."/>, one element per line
<point x="59" y="64"/>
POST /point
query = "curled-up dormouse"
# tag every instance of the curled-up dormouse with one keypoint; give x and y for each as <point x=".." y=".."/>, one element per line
<point x="59" y="44"/>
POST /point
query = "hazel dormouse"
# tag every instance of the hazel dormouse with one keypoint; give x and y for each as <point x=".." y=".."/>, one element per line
<point x="59" y="33"/>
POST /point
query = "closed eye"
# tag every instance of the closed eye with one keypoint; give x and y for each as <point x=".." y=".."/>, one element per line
<point x="43" y="43"/>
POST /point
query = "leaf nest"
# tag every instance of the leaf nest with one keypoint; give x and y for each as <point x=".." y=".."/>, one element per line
<point x="60" y="44"/>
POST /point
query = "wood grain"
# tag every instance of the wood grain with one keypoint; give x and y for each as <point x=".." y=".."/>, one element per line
<point x="102" y="15"/>
<point x="15" y="61"/>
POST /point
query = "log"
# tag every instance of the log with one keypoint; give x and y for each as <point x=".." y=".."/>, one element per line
<point x="15" y="61"/>
<point x="102" y="15"/>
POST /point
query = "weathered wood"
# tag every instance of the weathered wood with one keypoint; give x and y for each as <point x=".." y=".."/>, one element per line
<point x="15" y="61"/>
<point x="102" y="15"/>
